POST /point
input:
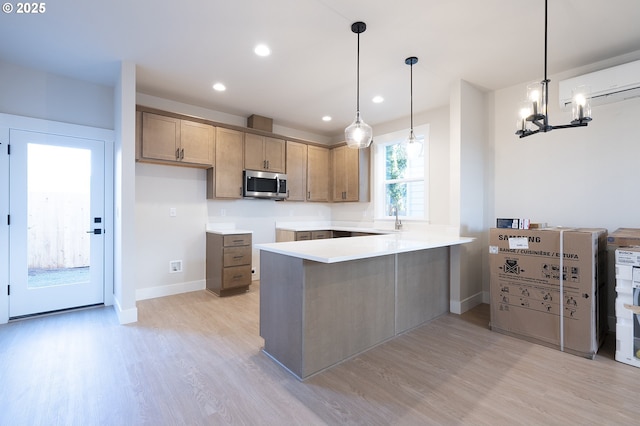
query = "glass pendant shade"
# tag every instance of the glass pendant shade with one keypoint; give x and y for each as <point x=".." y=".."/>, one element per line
<point x="412" y="138"/>
<point x="524" y="112"/>
<point x="581" y="104"/>
<point x="534" y="95"/>
<point x="358" y="134"/>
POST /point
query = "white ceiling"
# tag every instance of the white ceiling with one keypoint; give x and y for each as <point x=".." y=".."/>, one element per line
<point x="182" y="47"/>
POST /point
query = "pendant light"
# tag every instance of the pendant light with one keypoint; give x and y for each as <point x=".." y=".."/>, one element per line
<point x="358" y="134"/>
<point x="535" y="109"/>
<point x="411" y="61"/>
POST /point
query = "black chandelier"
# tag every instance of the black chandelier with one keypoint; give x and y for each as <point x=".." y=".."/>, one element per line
<point x="534" y="110"/>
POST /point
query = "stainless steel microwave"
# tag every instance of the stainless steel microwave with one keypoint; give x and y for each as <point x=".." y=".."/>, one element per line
<point x="259" y="184"/>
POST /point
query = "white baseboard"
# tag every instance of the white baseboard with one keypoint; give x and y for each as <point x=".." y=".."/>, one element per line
<point x="459" y="307"/>
<point x="125" y="316"/>
<point x="169" y="290"/>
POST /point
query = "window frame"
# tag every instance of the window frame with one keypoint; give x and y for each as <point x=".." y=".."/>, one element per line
<point x="379" y="172"/>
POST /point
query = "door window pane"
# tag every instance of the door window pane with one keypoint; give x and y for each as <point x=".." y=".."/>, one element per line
<point x="58" y="208"/>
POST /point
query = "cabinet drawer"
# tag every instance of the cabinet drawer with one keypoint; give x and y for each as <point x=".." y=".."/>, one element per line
<point x="236" y="256"/>
<point x="303" y="235"/>
<point x="321" y="235"/>
<point x="237" y="240"/>
<point x="236" y="276"/>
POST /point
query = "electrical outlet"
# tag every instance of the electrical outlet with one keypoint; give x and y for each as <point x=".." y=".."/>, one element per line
<point x="175" y="266"/>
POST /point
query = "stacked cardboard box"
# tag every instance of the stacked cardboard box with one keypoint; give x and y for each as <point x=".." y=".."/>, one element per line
<point x="621" y="237"/>
<point x="526" y="296"/>
<point x="627" y="305"/>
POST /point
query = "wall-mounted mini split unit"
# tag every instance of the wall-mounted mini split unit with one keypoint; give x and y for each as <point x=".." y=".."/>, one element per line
<point x="608" y="85"/>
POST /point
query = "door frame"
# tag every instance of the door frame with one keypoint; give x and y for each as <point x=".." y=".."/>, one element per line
<point x="8" y="121"/>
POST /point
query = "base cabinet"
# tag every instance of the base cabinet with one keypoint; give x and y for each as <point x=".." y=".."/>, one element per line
<point x="228" y="269"/>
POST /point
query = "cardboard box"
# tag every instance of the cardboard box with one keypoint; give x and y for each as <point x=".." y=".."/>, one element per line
<point x="260" y="123"/>
<point x="621" y="237"/>
<point x="526" y="302"/>
<point x="627" y="305"/>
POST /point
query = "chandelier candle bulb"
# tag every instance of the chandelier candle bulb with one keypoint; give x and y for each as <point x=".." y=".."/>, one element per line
<point x="534" y="95"/>
<point x="581" y="105"/>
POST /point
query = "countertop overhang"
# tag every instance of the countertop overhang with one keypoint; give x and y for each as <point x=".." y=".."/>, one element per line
<point x="354" y="248"/>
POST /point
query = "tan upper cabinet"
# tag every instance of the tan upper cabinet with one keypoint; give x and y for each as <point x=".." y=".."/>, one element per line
<point x="264" y="153"/>
<point x="318" y="173"/>
<point x="196" y="143"/>
<point x="171" y="140"/>
<point x="225" y="179"/>
<point x="350" y="174"/>
<point x="296" y="171"/>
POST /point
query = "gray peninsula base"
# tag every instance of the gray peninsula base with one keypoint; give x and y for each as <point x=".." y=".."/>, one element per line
<point x="314" y="315"/>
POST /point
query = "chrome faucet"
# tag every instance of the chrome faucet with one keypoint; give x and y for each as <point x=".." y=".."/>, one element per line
<point x="398" y="224"/>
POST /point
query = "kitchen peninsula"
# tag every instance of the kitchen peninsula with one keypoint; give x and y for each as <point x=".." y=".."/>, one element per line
<point x="323" y="301"/>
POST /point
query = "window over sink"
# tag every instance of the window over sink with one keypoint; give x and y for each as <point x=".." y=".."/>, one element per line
<point x="400" y="175"/>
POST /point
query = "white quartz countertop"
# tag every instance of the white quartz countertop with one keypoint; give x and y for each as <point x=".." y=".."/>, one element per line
<point x="310" y="227"/>
<point x="228" y="231"/>
<point x="354" y="248"/>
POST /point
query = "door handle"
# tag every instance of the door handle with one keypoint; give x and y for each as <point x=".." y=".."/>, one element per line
<point x="97" y="231"/>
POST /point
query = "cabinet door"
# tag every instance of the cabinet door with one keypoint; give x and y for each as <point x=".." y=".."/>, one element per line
<point x="254" y="152"/>
<point x="317" y="173"/>
<point x="345" y="171"/>
<point x="351" y="174"/>
<point x="196" y="143"/>
<point x="160" y="137"/>
<point x="228" y="168"/>
<point x="297" y="171"/>
<point x="274" y="154"/>
<point x="338" y="174"/>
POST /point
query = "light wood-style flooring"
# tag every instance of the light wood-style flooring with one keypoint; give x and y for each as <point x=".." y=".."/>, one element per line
<point x="195" y="359"/>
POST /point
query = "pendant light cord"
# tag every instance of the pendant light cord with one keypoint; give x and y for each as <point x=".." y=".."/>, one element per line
<point x="545" y="103"/>
<point x="358" y="78"/>
<point x="411" y="87"/>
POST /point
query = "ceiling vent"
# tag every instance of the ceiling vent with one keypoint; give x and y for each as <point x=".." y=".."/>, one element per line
<point x="609" y="85"/>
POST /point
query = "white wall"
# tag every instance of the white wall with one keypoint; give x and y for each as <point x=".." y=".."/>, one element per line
<point x="124" y="195"/>
<point x="584" y="177"/>
<point x="467" y="171"/>
<point x="37" y="94"/>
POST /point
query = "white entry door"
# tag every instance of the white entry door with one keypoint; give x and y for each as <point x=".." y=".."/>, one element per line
<point x="56" y="232"/>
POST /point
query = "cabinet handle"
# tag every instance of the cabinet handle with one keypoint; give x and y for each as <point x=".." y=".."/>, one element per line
<point x="308" y="195"/>
<point x="182" y="154"/>
<point x="238" y="257"/>
<point x="177" y="153"/>
<point x="268" y="165"/>
<point x="264" y="164"/>
<point x="237" y="277"/>
<point x="241" y="191"/>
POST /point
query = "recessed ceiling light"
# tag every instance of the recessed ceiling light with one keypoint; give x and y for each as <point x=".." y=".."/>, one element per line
<point x="326" y="118"/>
<point x="377" y="99"/>
<point x="219" y="87"/>
<point x="262" y="50"/>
